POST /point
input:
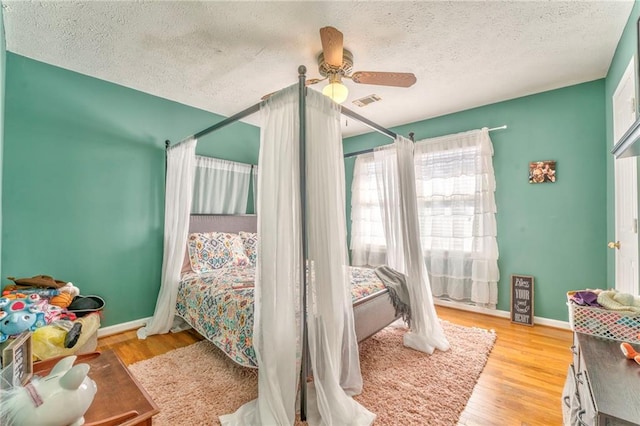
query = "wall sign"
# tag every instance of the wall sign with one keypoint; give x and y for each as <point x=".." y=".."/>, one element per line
<point x="17" y="362"/>
<point x="522" y="299"/>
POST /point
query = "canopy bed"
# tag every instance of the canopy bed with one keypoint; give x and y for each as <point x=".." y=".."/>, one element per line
<point x="303" y="313"/>
<point x="218" y="303"/>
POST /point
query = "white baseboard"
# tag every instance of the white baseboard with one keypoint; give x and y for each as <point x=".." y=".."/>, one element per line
<point x="125" y="326"/>
<point x="131" y="325"/>
<point x="498" y="313"/>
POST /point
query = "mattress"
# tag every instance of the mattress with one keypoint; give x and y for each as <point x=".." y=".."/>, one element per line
<point x="219" y="306"/>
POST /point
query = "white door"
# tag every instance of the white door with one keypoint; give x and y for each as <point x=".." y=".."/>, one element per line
<point x="626" y="188"/>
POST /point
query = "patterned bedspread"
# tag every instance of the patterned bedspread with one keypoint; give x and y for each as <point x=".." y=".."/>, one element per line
<point x="219" y="305"/>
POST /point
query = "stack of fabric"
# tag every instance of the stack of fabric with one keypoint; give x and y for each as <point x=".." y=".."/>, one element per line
<point x="59" y="316"/>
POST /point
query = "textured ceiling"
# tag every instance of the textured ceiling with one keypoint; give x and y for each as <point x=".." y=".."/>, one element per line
<point x="224" y="56"/>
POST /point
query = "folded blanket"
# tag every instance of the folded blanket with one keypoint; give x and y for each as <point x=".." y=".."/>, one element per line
<point x="586" y="298"/>
<point x="614" y="300"/>
<point x="396" y="283"/>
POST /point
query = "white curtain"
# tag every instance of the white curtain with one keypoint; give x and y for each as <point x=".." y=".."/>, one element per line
<point x="367" y="235"/>
<point x="254" y="180"/>
<point x="220" y="186"/>
<point x="397" y="191"/>
<point x="333" y="345"/>
<point x="177" y="204"/>
<point x="456" y="186"/>
<point x="276" y="327"/>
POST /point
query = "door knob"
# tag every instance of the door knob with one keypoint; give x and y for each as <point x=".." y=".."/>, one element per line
<point x="614" y="245"/>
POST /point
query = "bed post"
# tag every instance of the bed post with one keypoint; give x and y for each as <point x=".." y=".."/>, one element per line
<point x="167" y="144"/>
<point x="302" y="115"/>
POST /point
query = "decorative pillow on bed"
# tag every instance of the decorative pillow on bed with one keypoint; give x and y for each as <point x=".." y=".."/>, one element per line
<point x="186" y="263"/>
<point x="214" y="250"/>
<point x="250" y="242"/>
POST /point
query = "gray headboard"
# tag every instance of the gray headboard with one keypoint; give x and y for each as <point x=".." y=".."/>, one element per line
<point x="223" y="223"/>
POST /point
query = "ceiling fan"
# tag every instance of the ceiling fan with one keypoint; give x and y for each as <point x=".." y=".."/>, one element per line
<point x="335" y="63"/>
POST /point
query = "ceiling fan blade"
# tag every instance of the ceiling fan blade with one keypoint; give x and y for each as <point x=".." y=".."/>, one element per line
<point x="398" y="79"/>
<point x="332" y="44"/>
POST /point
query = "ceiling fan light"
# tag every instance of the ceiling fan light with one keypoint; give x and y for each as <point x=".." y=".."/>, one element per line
<point x="337" y="91"/>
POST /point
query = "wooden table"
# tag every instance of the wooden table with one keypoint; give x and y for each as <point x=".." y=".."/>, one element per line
<point x="120" y="400"/>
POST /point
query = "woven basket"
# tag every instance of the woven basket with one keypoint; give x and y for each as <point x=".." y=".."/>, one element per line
<point x="612" y="325"/>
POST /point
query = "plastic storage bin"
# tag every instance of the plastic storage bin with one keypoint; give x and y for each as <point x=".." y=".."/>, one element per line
<point x="605" y="323"/>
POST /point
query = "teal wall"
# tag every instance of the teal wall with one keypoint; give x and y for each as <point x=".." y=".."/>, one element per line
<point x="554" y="232"/>
<point x="84" y="176"/>
<point x="83" y="181"/>
<point x="2" y="96"/>
<point x="627" y="49"/>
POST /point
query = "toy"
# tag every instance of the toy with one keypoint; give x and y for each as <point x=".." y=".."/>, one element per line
<point x="62" y="300"/>
<point x="70" y="289"/>
<point x="61" y="296"/>
<point x="65" y="295"/>
<point x="43" y="281"/>
<point x="629" y="352"/>
<point x="19" y="315"/>
<point x="12" y="295"/>
<point x="54" y="313"/>
<point x="59" y="399"/>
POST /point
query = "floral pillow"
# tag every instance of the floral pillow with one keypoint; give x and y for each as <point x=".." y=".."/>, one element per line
<point x="250" y="242"/>
<point x="214" y="250"/>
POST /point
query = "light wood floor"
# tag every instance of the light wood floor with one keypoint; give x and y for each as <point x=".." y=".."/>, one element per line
<point x="520" y="386"/>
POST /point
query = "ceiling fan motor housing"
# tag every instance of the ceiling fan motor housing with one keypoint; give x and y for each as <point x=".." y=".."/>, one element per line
<point x="345" y="69"/>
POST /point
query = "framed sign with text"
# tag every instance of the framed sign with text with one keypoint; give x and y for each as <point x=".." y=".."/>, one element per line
<point x="17" y="360"/>
<point x="522" y="299"/>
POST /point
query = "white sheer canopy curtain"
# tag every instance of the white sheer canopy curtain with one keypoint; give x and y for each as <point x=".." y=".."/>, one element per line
<point x="456" y="186"/>
<point x="276" y="327"/>
<point x="397" y="191"/>
<point x="333" y="345"/>
<point x="277" y="330"/>
<point x="254" y="177"/>
<point x="220" y="186"/>
<point x="368" y="245"/>
<point x="177" y="204"/>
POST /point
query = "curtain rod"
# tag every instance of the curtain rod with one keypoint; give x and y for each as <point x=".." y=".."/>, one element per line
<point x="367" y="151"/>
<point x="367" y="122"/>
<point x="255" y="108"/>
<point x="230" y="120"/>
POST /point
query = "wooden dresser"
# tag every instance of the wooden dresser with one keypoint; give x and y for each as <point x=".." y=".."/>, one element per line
<point x="602" y="387"/>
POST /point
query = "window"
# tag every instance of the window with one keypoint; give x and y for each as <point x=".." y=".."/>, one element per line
<point x="368" y="245"/>
<point x="455" y="187"/>
<point x="446" y="199"/>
